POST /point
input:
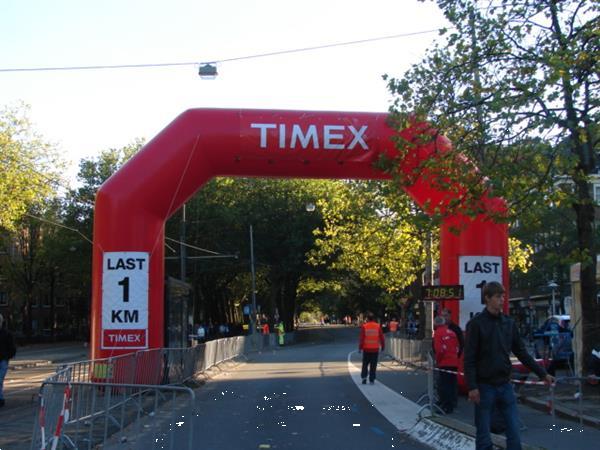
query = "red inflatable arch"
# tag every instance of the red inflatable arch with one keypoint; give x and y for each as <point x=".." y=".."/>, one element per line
<point x="133" y="205"/>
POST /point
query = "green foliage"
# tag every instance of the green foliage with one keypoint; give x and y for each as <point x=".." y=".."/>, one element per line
<point x="509" y="83"/>
<point x="519" y="255"/>
<point x="30" y="167"/>
<point x="53" y="261"/>
<point x="514" y="85"/>
<point x="372" y="234"/>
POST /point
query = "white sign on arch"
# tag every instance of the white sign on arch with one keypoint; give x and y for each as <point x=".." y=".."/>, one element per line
<point x="125" y="300"/>
<point x="474" y="272"/>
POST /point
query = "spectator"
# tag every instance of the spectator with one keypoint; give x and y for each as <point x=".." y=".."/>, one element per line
<point x="447" y="315"/>
<point x="8" y="350"/>
<point x="280" y="332"/>
<point x="201" y="333"/>
<point x="446" y="348"/>
<point x="266" y="333"/>
<point x="411" y="328"/>
<point x="491" y="336"/>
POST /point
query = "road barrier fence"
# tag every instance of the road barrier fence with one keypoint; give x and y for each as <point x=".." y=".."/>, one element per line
<point x="131" y="401"/>
<point x="566" y="395"/>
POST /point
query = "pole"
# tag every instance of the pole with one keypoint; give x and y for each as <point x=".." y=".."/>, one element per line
<point x="429" y="280"/>
<point x="553" y="306"/>
<point x="253" y="312"/>
<point x="182" y="252"/>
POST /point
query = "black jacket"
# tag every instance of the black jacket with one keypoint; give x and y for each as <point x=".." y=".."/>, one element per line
<point x="7" y="345"/>
<point x="490" y="339"/>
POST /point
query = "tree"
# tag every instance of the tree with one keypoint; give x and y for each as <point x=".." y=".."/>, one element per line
<point x="515" y="87"/>
<point x="74" y="240"/>
<point x="30" y="167"/>
<point x="218" y="219"/>
<point x="373" y="234"/>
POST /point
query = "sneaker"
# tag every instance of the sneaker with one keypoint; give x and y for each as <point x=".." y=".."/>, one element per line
<point x="372" y="382"/>
<point x="364" y="381"/>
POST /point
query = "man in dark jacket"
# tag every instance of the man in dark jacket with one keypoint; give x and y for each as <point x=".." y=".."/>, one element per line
<point x="491" y="336"/>
<point x="7" y="351"/>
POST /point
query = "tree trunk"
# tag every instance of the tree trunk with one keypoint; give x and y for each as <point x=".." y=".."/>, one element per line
<point x="590" y="310"/>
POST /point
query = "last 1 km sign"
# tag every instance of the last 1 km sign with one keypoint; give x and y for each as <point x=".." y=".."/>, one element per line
<point x="125" y="300"/>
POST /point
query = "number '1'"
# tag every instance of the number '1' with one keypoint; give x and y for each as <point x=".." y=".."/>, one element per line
<point x="125" y="283"/>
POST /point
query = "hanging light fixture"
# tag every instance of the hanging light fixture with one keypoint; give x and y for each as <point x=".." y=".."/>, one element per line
<point x="208" y="71"/>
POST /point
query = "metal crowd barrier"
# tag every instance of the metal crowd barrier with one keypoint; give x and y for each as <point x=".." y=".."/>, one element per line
<point x="118" y="416"/>
<point x="406" y="351"/>
<point x="130" y="401"/>
<point x="566" y="394"/>
<point x="160" y="366"/>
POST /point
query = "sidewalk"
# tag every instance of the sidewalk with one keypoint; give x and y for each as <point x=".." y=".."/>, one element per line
<point x="32" y="364"/>
<point x="539" y="430"/>
<point x="36" y="355"/>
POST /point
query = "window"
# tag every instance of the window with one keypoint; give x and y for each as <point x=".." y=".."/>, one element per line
<point x="3" y="299"/>
<point x="597" y="193"/>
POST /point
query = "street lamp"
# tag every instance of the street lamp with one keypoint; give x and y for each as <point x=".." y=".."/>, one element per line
<point x="552" y="285"/>
<point x="208" y="71"/>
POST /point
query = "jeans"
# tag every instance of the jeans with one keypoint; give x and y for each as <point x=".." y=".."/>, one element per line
<point x="503" y="397"/>
<point x="3" y="370"/>
<point x="369" y="362"/>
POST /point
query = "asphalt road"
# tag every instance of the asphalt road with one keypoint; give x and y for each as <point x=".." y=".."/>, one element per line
<point x="298" y="398"/>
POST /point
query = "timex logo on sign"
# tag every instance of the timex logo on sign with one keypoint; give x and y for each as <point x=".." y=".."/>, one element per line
<point x="327" y="137"/>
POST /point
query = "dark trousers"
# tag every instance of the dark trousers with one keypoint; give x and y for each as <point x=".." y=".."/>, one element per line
<point x="447" y="389"/>
<point x="369" y="365"/>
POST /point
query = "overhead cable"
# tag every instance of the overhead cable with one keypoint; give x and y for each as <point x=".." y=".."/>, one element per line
<point x="195" y="63"/>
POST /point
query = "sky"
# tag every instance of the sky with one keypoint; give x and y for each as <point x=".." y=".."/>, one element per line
<point x="86" y="111"/>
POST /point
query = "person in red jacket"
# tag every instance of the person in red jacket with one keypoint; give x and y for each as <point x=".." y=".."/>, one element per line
<point x="371" y="340"/>
<point x="446" y="347"/>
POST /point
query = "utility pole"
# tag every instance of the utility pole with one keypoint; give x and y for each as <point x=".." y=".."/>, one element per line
<point x="253" y="295"/>
<point x="182" y="252"/>
<point x="428" y="281"/>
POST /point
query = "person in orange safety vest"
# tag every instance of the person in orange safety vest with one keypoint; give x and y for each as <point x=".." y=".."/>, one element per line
<point x="371" y="340"/>
<point x="393" y="326"/>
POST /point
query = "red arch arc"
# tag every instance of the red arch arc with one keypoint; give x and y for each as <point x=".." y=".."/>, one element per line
<point x="133" y="205"/>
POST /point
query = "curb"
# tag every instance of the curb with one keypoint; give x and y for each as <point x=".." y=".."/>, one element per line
<point x="561" y="411"/>
<point x="430" y="432"/>
<point x="29" y="364"/>
<point x="469" y="430"/>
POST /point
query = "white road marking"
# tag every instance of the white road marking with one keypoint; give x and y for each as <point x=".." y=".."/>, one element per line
<point x="399" y="410"/>
<point x="403" y="414"/>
